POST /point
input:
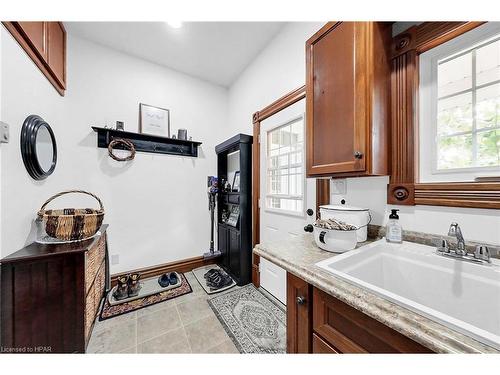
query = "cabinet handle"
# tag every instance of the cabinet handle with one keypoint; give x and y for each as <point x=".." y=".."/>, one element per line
<point x="358" y="154"/>
<point x="301" y="300"/>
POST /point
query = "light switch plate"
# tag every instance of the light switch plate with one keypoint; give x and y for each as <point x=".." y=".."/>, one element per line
<point x="4" y="132"/>
<point x="338" y="187"/>
<point x="115" y="259"/>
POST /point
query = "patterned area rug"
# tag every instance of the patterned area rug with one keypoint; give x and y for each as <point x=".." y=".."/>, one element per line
<point x="109" y="311"/>
<point x="254" y="323"/>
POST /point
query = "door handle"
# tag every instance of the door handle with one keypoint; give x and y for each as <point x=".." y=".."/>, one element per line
<point x="301" y="300"/>
<point x="358" y="154"/>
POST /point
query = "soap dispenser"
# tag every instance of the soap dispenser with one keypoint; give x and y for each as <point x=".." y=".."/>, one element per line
<point x="393" y="230"/>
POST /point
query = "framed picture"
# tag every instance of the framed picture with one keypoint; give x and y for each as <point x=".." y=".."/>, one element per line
<point x="154" y="120"/>
<point x="236" y="181"/>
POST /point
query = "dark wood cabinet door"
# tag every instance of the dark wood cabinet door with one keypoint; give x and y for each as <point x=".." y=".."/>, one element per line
<point x="222" y="244"/>
<point x="351" y="331"/>
<point x="298" y="315"/>
<point x="234" y="253"/>
<point x="336" y="99"/>
<point x="35" y="34"/>
<point x="57" y="51"/>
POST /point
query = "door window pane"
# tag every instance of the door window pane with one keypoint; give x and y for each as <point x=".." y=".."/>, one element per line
<point x="285" y="177"/>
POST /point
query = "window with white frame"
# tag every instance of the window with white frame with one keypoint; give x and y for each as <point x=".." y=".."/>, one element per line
<point x="460" y="107"/>
<point x="285" y="167"/>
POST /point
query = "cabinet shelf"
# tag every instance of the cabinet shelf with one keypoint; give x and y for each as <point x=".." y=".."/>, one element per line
<point x="148" y="143"/>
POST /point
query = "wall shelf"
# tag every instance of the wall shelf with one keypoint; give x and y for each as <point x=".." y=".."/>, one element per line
<point x="147" y="142"/>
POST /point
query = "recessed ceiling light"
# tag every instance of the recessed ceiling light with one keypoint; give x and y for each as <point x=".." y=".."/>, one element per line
<point x="175" y="24"/>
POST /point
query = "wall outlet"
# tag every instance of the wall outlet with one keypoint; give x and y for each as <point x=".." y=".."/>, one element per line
<point x="115" y="259"/>
<point x="338" y="187"/>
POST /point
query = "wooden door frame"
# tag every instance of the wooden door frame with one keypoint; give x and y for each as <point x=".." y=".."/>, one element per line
<point x="322" y="185"/>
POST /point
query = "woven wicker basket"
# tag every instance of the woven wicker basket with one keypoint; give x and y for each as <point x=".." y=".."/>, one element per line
<point x="71" y="224"/>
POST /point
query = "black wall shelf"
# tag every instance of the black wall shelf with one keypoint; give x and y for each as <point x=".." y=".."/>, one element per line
<point x="147" y="142"/>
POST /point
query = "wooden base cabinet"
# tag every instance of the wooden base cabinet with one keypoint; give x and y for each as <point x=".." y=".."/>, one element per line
<point x="348" y="100"/>
<point x="336" y="327"/>
<point x="51" y="294"/>
<point x="298" y="315"/>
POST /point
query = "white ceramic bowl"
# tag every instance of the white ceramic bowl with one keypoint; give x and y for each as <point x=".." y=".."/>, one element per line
<point x="335" y="241"/>
<point x="356" y="216"/>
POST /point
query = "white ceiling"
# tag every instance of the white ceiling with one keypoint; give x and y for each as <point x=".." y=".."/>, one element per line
<point x="214" y="51"/>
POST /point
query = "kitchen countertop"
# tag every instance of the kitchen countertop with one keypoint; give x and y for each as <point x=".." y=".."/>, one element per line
<point x="299" y="256"/>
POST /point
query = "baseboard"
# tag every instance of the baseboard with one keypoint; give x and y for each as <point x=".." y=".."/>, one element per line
<point x="184" y="265"/>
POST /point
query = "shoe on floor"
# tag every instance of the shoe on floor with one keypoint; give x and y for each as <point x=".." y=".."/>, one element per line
<point x="173" y="278"/>
<point x="164" y="280"/>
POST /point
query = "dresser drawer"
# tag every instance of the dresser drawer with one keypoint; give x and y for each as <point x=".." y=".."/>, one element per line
<point x="351" y="331"/>
<point x="93" y="259"/>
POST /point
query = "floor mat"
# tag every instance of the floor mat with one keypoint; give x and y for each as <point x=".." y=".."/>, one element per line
<point x="199" y="275"/>
<point x="254" y="323"/>
<point x="110" y="311"/>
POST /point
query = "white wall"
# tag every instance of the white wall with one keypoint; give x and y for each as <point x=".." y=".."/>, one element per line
<point x="156" y="205"/>
<point x="279" y="69"/>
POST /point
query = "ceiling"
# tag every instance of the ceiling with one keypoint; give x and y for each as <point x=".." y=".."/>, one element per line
<point x="213" y="51"/>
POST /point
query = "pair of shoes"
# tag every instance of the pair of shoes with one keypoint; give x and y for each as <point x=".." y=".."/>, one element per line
<point x="217" y="279"/>
<point x="168" y="279"/>
<point x="128" y="286"/>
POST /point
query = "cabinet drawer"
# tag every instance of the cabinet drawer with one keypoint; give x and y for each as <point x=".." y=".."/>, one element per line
<point x="93" y="260"/>
<point x="321" y="347"/>
<point x="351" y="331"/>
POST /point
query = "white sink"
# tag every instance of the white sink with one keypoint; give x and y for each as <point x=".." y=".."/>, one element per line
<point x="461" y="295"/>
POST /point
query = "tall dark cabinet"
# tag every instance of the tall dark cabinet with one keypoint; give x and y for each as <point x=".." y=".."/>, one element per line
<point x="235" y="241"/>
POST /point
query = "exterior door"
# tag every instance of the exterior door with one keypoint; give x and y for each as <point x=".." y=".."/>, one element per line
<point x="285" y="193"/>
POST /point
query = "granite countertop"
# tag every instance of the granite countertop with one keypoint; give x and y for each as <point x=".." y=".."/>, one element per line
<point x="299" y="256"/>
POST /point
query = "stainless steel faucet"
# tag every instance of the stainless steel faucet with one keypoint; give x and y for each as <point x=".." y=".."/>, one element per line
<point x="456" y="232"/>
<point x="480" y="255"/>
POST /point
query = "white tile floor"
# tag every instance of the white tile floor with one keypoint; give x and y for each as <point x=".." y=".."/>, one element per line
<point x="185" y="324"/>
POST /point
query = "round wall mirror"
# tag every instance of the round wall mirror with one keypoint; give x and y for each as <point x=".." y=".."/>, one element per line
<point x="38" y="147"/>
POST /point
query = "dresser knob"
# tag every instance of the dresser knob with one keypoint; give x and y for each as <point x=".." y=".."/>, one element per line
<point x="358" y="155"/>
<point x="301" y="300"/>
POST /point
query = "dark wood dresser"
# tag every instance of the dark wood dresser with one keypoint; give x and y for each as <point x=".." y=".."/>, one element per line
<point x="50" y="295"/>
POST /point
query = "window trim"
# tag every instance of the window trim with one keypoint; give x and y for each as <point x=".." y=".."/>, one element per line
<point x="404" y="188"/>
<point x="278" y="210"/>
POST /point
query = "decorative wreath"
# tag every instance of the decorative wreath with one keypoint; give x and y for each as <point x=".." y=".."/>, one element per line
<point x="126" y="144"/>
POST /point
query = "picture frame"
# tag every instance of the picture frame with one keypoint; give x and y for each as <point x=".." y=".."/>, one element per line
<point x="154" y="120"/>
<point x="236" y="181"/>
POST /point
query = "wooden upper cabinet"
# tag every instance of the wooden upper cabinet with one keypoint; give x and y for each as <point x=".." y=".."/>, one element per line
<point x="34" y="33"/>
<point x="45" y="44"/>
<point x="57" y="51"/>
<point x="347" y="99"/>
